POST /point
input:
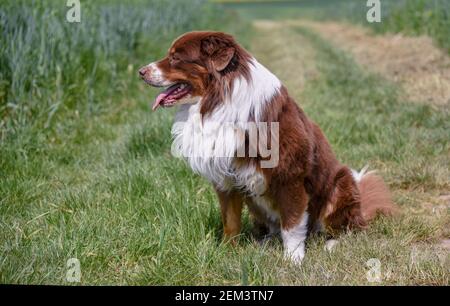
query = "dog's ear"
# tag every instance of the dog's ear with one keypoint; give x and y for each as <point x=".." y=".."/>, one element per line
<point x="219" y="50"/>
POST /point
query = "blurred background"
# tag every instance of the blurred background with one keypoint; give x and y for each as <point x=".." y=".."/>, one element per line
<point x="86" y="170"/>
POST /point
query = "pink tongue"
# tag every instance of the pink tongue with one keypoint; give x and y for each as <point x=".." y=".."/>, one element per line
<point x="158" y="100"/>
<point x="163" y="95"/>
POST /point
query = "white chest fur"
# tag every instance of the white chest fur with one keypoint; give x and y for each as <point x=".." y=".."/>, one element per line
<point x="209" y="145"/>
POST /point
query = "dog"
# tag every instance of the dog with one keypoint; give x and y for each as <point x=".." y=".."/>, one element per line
<point x="217" y="83"/>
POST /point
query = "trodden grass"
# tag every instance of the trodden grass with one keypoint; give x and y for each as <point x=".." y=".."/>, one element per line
<point x="108" y="192"/>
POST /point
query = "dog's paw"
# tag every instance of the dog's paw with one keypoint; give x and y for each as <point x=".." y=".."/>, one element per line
<point x="295" y="256"/>
<point x="330" y="245"/>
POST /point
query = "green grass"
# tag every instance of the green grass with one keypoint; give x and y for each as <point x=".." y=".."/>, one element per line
<point x="94" y="179"/>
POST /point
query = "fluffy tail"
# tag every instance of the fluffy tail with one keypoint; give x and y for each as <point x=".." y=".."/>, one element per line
<point x="374" y="195"/>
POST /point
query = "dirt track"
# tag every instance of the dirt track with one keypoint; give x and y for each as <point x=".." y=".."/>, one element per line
<point x="422" y="69"/>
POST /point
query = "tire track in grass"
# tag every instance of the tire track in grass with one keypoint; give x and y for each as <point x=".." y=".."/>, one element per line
<point x="288" y="55"/>
<point x="422" y="69"/>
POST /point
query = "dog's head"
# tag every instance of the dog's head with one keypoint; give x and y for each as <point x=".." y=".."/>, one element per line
<point x="198" y="66"/>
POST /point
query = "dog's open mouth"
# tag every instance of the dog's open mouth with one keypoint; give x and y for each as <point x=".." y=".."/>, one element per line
<point x="169" y="96"/>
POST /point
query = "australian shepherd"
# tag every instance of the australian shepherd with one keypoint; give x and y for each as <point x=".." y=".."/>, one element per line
<point x="238" y="127"/>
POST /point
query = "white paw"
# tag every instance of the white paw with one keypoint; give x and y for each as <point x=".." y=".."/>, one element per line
<point x="295" y="256"/>
<point x="330" y="245"/>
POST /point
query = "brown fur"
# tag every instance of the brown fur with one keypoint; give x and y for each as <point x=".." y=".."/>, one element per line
<point x="375" y="197"/>
<point x="231" y="210"/>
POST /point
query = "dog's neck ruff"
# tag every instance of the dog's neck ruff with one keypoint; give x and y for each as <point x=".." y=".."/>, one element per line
<point x="209" y="144"/>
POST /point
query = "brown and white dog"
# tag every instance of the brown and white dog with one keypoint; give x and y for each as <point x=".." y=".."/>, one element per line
<point x="218" y="83"/>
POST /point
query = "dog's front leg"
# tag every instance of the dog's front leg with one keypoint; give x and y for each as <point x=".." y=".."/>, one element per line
<point x="293" y="201"/>
<point x="231" y="209"/>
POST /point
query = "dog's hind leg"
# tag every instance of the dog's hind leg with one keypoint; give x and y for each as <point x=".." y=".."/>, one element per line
<point x="343" y="212"/>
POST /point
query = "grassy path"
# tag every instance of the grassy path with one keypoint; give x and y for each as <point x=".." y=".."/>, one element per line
<point x="109" y="193"/>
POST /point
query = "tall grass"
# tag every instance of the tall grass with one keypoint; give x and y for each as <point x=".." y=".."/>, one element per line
<point x="49" y="65"/>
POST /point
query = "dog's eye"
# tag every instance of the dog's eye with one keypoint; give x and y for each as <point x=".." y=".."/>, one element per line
<point x="174" y="60"/>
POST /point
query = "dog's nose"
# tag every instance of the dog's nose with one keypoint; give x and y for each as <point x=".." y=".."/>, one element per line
<point x="142" y="71"/>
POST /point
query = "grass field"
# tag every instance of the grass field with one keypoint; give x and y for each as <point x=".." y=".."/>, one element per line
<point x="86" y="170"/>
